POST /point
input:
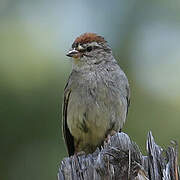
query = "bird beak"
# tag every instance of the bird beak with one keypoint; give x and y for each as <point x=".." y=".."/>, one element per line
<point x="73" y="53"/>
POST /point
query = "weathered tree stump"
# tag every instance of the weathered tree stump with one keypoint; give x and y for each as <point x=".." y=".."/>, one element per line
<point x="121" y="159"/>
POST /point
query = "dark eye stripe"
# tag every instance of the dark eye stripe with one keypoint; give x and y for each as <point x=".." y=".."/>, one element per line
<point x="96" y="47"/>
<point x="89" y="48"/>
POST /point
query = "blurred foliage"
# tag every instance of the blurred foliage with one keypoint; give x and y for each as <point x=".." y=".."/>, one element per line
<point x="34" y="70"/>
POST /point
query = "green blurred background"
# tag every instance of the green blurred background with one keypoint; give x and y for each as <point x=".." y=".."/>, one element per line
<point x="34" y="38"/>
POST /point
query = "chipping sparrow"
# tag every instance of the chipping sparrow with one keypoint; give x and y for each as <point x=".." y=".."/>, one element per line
<point x="96" y="96"/>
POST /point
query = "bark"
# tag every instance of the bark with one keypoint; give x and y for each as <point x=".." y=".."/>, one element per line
<point x="121" y="159"/>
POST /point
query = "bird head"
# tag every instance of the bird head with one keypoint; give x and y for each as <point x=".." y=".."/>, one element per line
<point x="89" y="49"/>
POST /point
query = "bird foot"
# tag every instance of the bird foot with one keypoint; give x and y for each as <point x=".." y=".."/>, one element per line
<point x="79" y="153"/>
<point x="107" y="139"/>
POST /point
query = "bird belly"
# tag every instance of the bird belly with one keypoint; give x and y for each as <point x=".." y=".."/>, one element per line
<point x="94" y="109"/>
<point x="88" y="122"/>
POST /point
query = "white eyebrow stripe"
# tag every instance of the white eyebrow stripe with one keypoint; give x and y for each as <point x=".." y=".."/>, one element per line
<point x="93" y="44"/>
<point x="80" y="47"/>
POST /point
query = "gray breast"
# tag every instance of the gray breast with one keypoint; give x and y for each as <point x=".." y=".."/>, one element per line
<point x="97" y="104"/>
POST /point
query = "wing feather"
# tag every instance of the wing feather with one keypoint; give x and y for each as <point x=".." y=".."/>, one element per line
<point x="69" y="139"/>
<point x="128" y="97"/>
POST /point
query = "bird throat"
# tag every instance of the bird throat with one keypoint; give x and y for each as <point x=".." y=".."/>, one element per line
<point x="76" y="60"/>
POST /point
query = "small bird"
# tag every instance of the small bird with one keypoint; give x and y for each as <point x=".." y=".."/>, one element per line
<point x="96" y="96"/>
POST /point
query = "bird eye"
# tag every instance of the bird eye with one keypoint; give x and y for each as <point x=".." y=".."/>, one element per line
<point x="89" y="48"/>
